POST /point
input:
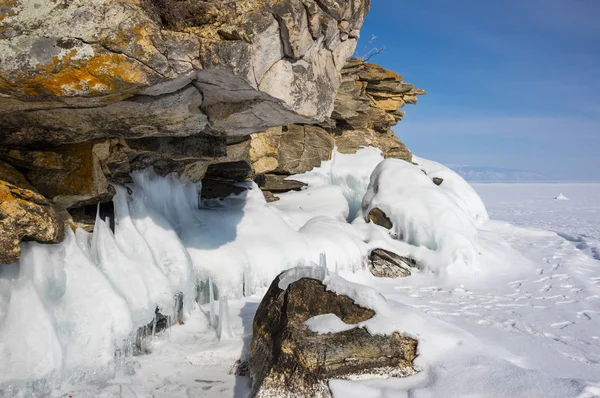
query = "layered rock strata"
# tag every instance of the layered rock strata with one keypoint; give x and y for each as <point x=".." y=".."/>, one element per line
<point x="220" y="91"/>
<point x="289" y="360"/>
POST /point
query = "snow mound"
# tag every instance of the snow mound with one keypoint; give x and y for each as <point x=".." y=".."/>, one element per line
<point x="455" y="185"/>
<point x="561" y="197"/>
<point x="423" y="214"/>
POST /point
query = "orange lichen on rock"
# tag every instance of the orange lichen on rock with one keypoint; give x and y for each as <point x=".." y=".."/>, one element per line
<point x="66" y="170"/>
<point x="103" y="73"/>
<point x="7" y="8"/>
<point x="373" y="72"/>
<point x="25" y="214"/>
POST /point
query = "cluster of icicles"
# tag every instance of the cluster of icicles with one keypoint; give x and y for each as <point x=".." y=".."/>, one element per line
<point x="72" y="309"/>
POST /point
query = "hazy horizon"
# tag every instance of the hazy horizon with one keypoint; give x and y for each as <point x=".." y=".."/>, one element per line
<point x="511" y="84"/>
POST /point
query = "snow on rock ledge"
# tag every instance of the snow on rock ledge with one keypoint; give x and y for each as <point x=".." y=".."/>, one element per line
<point x="307" y="328"/>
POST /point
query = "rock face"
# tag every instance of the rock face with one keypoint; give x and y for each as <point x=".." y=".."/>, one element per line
<point x="221" y="91"/>
<point x="289" y="360"/>
<point x="24" y="214"/>
<point x="78" y="70"/>
<point x="367" y="105"/>
<point x="386" y="264"/>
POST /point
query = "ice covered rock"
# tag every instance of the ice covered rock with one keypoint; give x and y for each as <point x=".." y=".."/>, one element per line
<point x="422" y="214"/>
<point x="377" y="216"/>
<point x="561" y="197"/>
<point x="290" y="359"/>
<point x="386" y="264"/>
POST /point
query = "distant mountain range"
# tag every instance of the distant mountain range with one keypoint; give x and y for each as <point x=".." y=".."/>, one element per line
<point x="496" y="174"/>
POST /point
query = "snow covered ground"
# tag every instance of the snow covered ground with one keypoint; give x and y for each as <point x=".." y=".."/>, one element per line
<point x="506" y="307"/>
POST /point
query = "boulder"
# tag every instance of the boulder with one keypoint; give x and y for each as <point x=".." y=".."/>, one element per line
<point x="25" y="215"/>
<point x="378" y="217"/>
<point x="437" y="180"/>
<point x="287" y="359"/>
<point x="386" y="264"/>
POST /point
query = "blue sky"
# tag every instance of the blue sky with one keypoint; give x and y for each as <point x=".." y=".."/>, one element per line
<point x="511" y="84"/>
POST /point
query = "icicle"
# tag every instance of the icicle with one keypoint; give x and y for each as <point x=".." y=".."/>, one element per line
<point x="322" y="260"/>
<point x="224" y="330"/>
<point x="154" y="326"/>
<point x="244" y="284"/>
<point x="211" y="298"/>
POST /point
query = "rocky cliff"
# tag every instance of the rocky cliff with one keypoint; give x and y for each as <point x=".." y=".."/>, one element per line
<point x="220" y="91"/>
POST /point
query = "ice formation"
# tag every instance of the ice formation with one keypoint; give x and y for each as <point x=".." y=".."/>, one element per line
<point x="68" y="310"/>
<point x="71" y="312"/>
<point x="423" y="214"/>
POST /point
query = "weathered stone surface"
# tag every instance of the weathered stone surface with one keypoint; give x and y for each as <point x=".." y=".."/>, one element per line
<point x="70" y="174"/>
<point x="222" y="179"/>
<point x="77" y="70"/>
<point x="378" y="217"/>
<point x="391" y="147"/>
<point x="219" y="189"/>
<point x="290" y="149"/>
<point x="276" y="183"/>
<point x="25" y="215"/>
<point x="289" y="360"/>
<point x="264" y="150"/>
<point x="302" y="148"/>
<point x="437" y="180"/>
<point x="367" y="106"/>
<point x="12" y="176"/>
<point x="386" y="264"/>
<point x="270" y="196"/>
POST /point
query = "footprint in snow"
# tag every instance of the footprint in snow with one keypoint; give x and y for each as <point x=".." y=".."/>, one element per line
<point x="562" y="325"/>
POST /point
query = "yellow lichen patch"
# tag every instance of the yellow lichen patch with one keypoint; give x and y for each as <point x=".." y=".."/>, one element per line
<point x="8" y="8"/>
<point x="373" y="72"/>
<point x="38" y="159"/>
<point x="102" y="74"/>
<point x="25" y="214"/>
<point x="76" y="176"/>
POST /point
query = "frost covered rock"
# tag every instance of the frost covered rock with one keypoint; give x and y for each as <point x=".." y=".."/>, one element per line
<point x="423" y="214"/>
<point x="561" y="197"/>
<point x="290" y="359"/>
<point x="386" y="264"/>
